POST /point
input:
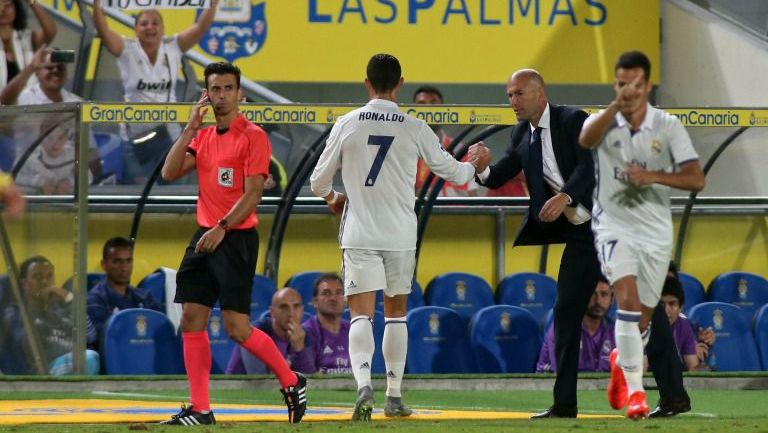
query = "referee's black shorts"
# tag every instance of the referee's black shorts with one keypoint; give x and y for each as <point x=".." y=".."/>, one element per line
<point x="225" y="274"/>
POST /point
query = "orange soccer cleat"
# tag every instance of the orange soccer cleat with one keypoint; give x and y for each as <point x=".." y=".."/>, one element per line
<point x="637" y="407"/>
<point x="617" y="387"/>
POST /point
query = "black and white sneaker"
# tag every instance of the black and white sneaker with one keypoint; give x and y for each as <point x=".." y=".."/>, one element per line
<point x="296" y="399"/>
<point x="188" y="416"/>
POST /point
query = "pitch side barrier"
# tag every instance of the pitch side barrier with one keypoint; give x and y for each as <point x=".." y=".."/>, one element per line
<point x="467" y="116"/>
<point x="434" y="114"/>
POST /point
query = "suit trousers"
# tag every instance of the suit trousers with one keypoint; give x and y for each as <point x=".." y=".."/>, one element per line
<point x="663" y="357"/>
<point x="576" y="281"/>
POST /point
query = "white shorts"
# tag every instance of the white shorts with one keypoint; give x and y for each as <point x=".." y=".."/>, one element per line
<point x="369" y="270"/>
<point x="621" y="256"/>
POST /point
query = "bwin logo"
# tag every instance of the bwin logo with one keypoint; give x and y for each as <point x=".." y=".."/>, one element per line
<point x="240" y="30"/>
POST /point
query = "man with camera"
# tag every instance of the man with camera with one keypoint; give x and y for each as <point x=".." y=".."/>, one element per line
<point x="51" y="70"/>
<point x="50" y="67"/>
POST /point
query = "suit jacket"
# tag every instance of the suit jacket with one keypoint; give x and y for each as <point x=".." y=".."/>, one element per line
<point x="575" y="165"/>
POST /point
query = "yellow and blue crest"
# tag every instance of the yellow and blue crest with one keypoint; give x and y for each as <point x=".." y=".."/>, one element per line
<point x="239" y="30"/>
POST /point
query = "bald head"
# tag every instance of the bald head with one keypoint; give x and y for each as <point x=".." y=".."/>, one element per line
<point x="285" y="293"/>
<point x="531" y="76"/>
<point x="287" y="310"/>
<point x="525" y="90"/>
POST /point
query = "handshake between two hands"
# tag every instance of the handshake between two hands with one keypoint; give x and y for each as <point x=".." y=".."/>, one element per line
<point x="479" y="156"/>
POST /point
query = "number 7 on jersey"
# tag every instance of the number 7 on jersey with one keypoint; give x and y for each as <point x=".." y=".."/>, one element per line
<point x="384" y="141"/>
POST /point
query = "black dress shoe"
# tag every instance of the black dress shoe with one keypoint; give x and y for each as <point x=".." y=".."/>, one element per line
<point x="671" y="407"/>
<point x="557" y="412"/>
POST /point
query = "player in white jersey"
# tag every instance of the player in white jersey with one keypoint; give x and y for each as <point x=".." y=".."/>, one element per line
<point x="377" y="148"/>
<point x="640" y="153"/>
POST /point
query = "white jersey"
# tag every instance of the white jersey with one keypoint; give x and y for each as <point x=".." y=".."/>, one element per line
<point x="641" y="213"/>
<point x="378" y="148"/>
<point x="145" y="82"/>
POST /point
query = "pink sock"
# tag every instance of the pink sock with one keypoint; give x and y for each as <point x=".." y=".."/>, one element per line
<point x="197" y="360"/>
<point x="262" y="347"/>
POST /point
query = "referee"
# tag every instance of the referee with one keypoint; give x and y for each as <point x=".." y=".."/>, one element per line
<point x="232" y="163"/>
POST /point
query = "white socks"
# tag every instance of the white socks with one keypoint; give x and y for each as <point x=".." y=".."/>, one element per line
<point x="630" y="346"/>
<point x="395" y="348"/>
<point x="361" y="347"/>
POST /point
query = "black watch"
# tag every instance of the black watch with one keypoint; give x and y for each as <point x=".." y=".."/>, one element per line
<point x="223" y="224"/>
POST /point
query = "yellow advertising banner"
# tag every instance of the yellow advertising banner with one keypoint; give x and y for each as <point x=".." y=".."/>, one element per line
<point x="437" y="41"/>
<point x="432" y="114"/>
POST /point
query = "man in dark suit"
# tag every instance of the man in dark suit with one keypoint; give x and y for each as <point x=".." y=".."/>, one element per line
<point x="560" y="177"/>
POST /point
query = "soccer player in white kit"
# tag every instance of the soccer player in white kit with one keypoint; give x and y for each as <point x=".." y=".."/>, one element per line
<point x="640" y="152"/>
<point x="377" y="148"/>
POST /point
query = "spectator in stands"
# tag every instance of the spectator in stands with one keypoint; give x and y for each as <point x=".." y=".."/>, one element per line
<point x="149" y="68"/>
<point x="47" y="89"/>
<point x="50" y="311"/>
<point x="49" y="169"/>
<point x="19" y="42"/>
<point x="597" y="339"/>
<point x="431" y="95"/>
<point x="115" y="292"/>
<point x="284" y="326"/>
<point x="11" y="198"/>
<point x="692" y="350"/>
<point x="327" y="330"/>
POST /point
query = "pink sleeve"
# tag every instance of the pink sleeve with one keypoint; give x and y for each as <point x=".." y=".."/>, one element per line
<point x="259" y="153"/>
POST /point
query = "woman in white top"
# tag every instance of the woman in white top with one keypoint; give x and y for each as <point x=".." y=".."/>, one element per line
<point x="18" y="42"/>
<point x="149" y="69"/>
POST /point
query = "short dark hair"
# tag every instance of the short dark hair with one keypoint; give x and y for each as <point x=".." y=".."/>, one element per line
<point x="116" y="242"/>
<point x="383" y="72"/>
<point x="632" y="60"/>
<point x="20" y="22"/>
<point x="26" y="264"/>
<point x="328" y="276"/>
<point x="428" y="89"/>
<point x="673" y="287"/>
<point x="222" y="68"/>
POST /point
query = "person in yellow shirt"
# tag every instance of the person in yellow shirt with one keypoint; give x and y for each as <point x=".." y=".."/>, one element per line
<point x="13" y="202"/>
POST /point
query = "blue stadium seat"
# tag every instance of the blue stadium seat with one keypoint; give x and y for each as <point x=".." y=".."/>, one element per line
<point x="746" y="290"/>
<point x="141" y="341"/>
<point x="505" y="339"/>
<point x="7" y="153"/>
<point x="734" y="348"/>
<point x="261" y="295"/>
<point x="529" y="290"/>
<point x="304" y="283"/>
<point x="91" y="279"/>
<point x="111" y="152"/>
<point x="415" y="299"/>
<point x="694" y="291"/>
<point x="761" y="334"/>
<point x="154" y="283"/>
<point x="547" y="323"/>
<point x="5" y="287"/>
<point x="437" y="342"/>
<point x="464" y="293"/>
<point x="221" y="344"/>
